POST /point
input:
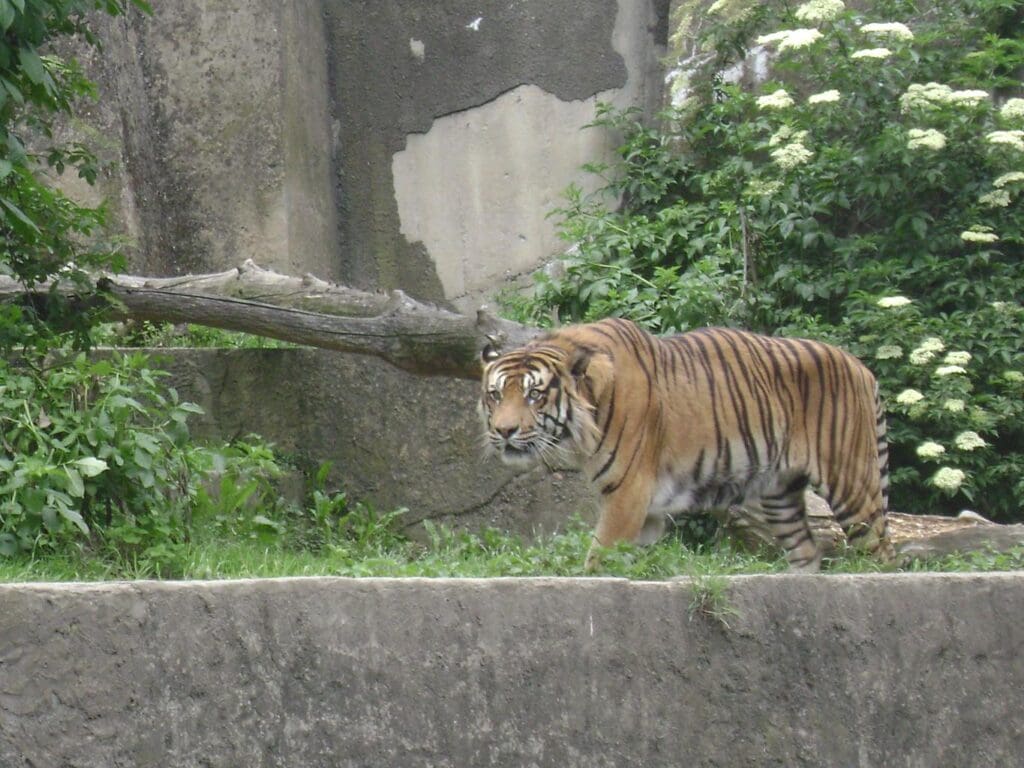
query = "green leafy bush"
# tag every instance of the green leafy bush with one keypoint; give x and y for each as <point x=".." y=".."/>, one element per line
<point x="867" y="193"/>
<point x="91" y="445"/>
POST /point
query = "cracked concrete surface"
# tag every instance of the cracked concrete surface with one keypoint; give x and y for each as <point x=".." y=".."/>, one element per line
<point x="903" y="671"/>
<point x="505" y="166"/>
<point x="494" y="171"/>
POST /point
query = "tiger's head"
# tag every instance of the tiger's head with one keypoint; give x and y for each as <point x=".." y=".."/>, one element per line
<point x="538" y="403"/>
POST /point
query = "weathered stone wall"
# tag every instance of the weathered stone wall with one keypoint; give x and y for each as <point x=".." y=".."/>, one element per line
<point x="385" y="143"/>
<point x="382" y="143"/>
<point x="903" y="671"/>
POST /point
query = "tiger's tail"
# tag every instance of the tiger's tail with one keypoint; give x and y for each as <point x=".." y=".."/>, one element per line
<point x="883" y="450"/>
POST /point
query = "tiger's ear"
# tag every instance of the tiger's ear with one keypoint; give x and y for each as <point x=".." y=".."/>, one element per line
<point x="489" y="354"/>
<point x="579" y="361"/>
<point x="592" y="371"/>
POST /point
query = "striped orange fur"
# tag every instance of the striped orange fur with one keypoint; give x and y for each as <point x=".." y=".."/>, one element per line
<point x="674" y="425"/>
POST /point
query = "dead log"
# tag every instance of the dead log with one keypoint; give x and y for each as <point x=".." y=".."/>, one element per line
<point x="417" y="337"/>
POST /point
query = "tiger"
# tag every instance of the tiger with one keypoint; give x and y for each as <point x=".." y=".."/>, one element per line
<point x="668" y="426"/>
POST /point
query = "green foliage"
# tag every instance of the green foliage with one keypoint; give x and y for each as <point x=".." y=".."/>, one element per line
<point x="41" y="231"/>
<point x="146" y="334"/>
<point x="90" y="447"/>
<point x="878" y="163"/>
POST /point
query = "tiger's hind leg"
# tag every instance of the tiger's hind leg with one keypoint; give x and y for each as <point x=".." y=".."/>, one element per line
<point x="865" y="524"/>
<point x="785" y="511"/>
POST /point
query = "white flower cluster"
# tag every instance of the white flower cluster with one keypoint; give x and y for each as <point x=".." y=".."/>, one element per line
<point x="974" y="236"/>
<point x="909" y="397"/>
<point x="871" y="53"/>
<point x="1013" y="109"/>
<point x="820" y="10"/>
<point x="1009" y="178"/>
<point x="930" y="450"/>
<point x="785" y="135"/>
<point x="926" y="350"/>
<point x="893" y="29"/>
<point x="791" y="155"/>
<point x="932" y="96"/>
<point x="1015" y="376"/>
<point x="1013" y="139"/>
<point x="954" y="405"/>
<point x="925" y="138"/>
<point x="968" y="441"/>
<point x="888" y="302"/>
<point x="888" y="352"/>
<point x="949" y="370"/>
<point x="948" y="478"/>
<point x="763" y="188"/>
<point x="775" y="100"/>
<point x="825" y="97"/>
<point x="957" y="357"/>
<point x="998" y="198"/>
<point x="788" y="39"/>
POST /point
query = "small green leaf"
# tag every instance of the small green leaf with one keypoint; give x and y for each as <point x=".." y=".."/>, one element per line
<point x="5" y="168"/>
<point x="6" y="14"/>
<point x="8" y="545"/>
<point x="13" y="90"/>
<point x="90" y="466"/>
<point x="143" y="459"/>
<point x="76" y="487"/>
<point x="50" y="519"/>
<point x="72" y="516"/>
<point x="31" y="63"/>
<point x="19" y="214"/>
<point x="265" y="522"/>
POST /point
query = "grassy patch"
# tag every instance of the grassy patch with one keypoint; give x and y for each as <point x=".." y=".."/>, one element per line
<point x="363" y="543"/>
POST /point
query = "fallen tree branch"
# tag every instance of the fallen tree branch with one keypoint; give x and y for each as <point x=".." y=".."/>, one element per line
<point x="417" y="337"/>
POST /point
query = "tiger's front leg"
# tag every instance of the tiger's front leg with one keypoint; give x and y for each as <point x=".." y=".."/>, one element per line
<point x="622" y="517"/>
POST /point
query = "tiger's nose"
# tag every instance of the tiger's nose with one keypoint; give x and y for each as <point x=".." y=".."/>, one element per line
<point x="507" y="432"/>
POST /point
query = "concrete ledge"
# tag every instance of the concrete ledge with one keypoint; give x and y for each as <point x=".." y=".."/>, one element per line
<point x="894" y="670"/>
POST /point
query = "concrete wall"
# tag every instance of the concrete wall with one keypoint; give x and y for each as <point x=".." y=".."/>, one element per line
<point x="385" y="143"/>
<point x="910" y="671"/>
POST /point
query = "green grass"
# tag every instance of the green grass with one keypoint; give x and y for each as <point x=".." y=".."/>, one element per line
<point x="372" y="547"/>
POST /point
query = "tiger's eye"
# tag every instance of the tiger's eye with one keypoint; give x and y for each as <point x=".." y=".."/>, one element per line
<point x="535" y="395"/>
<point x="495" y="395"/>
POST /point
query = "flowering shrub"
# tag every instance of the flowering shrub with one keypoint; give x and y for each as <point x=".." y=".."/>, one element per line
<point x="868" y="193"/>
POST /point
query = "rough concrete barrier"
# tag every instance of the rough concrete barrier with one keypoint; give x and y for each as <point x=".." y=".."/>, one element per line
<point x="890" y="670"/>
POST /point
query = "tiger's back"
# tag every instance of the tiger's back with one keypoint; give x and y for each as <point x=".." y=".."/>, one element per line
<point x="700" y="421"/>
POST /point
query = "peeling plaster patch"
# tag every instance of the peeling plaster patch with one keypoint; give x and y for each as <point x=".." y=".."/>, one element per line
<point x="477" y="187"/>
<point x="419" y="50"/>
<point x="475" y="24"/>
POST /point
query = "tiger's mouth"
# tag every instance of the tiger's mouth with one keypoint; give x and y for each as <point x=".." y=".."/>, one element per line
<point x="517" y="451"/>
